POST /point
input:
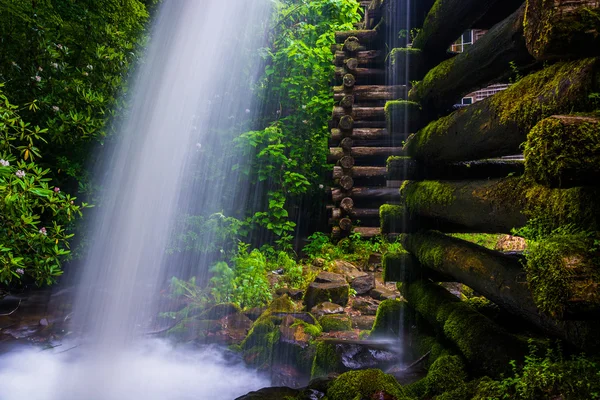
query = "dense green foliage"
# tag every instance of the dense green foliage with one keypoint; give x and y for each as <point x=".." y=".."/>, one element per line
<point x="290" y="151"/>
<point x="64" y="67"/>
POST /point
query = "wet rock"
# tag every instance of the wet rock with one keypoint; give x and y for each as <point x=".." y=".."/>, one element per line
<point x="383" y="293"/>
<point x="326" y="308"/>
<point x="319" y="292"/>
<point x="363" y="322"/>
<point x="390" y="317"/>
<point x="329" y="277"/>
<point x="348" y="270"/>
<point x="271" y="393"/>
<point x="366" y="305"/>
<point x="44" y="322"/>
<point x="363" y="284"/>
<point x="287" y="375"/>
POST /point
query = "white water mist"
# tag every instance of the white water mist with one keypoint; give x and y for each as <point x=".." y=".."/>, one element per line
<point x="187" y="89"/>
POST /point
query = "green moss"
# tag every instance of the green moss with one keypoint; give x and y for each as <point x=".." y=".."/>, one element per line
<point x="259" y="344"/>
<point x="400" y="55"/>
<point x="485" y="345"/>
<point x="422" y="89"/>
<point x="447" y="373"/>
<point x="561" y="152"/>
<point x="390" y="216"/>
<point x="424" y="194"/>
<point x="282" y="304"/>
<point x="325" y="360"/>
<point x="394" y="264"/>
<point x="402" y="116"/>
<point x="556" y="89"/>
<point x="430" y="133"/>
<point x="561" y="268"/>
<point x="314" y="330"/>
<point x="389" y="318"/>
<point x="333" y="323"/>
<point x="365" y="384"/>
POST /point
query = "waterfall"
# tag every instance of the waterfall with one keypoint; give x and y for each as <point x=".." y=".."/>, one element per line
<point x="186" y="92"/>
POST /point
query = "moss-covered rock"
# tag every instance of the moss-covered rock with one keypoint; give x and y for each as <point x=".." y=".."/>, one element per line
<point x="220" y="310"/>
<point x="365" y="384"/>
<point x="403" y="117"/>
<point x="331" y="323"/>
<point x="326" y="360"/>
<point x="563" y="273"/>
<point x="389" y="318"/>
<point x="335" y="292"/>
<point x="564" y="151"/>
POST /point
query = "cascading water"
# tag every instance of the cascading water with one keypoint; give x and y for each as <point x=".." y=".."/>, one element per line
<point x="187" y="89"/>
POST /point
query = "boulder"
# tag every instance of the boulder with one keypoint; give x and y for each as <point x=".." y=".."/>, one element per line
<point x="271" y="393"/>
<point x="366" y="305"/>
<point x="327" y="286"/>
<point x="363" y="322"/>
<point x="383" y="293"/>
<point x="363" y="284"/>
<point x="348" y="270"/>
<point x="326" y="308"/>
<point x="335" y="322"/>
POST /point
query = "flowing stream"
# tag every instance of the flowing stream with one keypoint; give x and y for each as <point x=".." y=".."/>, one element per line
<point x="188" y="88"/>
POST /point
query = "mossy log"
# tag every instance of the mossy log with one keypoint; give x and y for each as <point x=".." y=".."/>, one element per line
<point x="403" y="116"/>
<point x="366" y="93"/>
<point x="491" y="59"/>
<point x="360" y="134"/>
<point x="497" y="276"/>
<point x="486" y="346"/>
<point x="445" y="22"/>
<point x="360" y="172"/>
<point x="363" y="36"/>
<point x="359" y="113"/>
<point x="407" y="64"/>
<point x="557" y="29"/>
<point x="366" y="194"/>
<point x="369" y="58"/>
<point x="406" y="168"/>
<point x="498" y="206"/>
<point x="394" y="218"/>
<point x="397" y="18"/>
<point x="353" y="47"/>
<point x="336" y="153"/>
<point x="361" y="75"/>
<point x="403" y="267"/>
<point x="564" y="151"/>
<point x="499" y="124"/>
<point x="496" y="14"/>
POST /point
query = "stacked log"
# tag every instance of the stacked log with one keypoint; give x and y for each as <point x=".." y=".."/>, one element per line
<point x="465" y="170"/>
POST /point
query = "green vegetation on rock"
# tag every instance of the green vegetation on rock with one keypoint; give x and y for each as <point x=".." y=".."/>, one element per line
<point x="355" y="385"/>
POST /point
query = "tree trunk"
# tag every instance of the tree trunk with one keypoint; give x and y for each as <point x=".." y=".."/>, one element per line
<point x="361" y="134"/>
<point x="405" y="168"/>
<point x="497" y="276"/>
<point x="361" y="75"/>
<point x="559" y="29"/>
<point x="499" y="124"/>
<point x="496" y="14"/>
<point x="564" y="151"/>
<point x="491" y="59"/>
